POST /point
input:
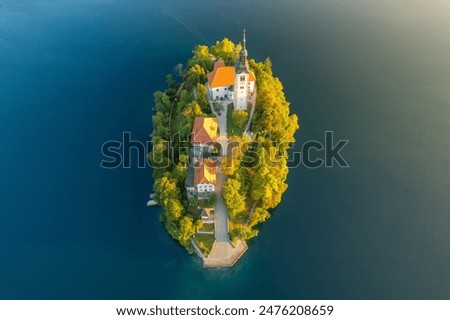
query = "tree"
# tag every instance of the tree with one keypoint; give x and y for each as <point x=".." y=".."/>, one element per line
<point x="210" y="201"/>
<point x="196" y="74"/>
<point x="218" y="108"/>
<point x="268" y="181"/>
<point x="232" y="197"/>
<point x="185" y="98"/>
<point x="256" y="170"/>
<point x="272" y="110"/>
<point x="161" y="125"/>
<point x="159" y="156"/>
<point x="201" y="57"/>
<point x="190" y="111"/>
<point x="162" y="102"/>
<point x="239" y="231"/>
<point x="179" y="173"/>
<point x="258" y="216"/>
<point x="240" y="118"/>
<point x="202" y="97"/>
<point x="187" y="230"/>
<point x="166" y="191"/>
<point x="226" y="50"/>
<point x="173" y="210"/>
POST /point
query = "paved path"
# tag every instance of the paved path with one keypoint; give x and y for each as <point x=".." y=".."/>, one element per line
<point x="223" y="252"/>
<point x="220" y="210"/>
<point x="223" y="138"/>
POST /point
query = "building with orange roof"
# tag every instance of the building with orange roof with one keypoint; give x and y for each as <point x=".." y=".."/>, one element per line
<point x="221" y="82"/>
<point x="204" y="131"/>
<point x="204" y="178"/>
<point x="236" y="83"/>
<point x="207" y="214"/>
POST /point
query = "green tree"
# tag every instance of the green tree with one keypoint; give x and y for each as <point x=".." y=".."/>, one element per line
<point x="218" y="108"/>
<point x="162" y="102"/>
<point x="268" y="181"/>
<point x="258" y="169"/>
<point x="173" y="210"/>
<point x="240" y="118"/>
<point x="158" y="156"/>
<point x="272" y="110"/>
<point x="196" y="74"/>
<point x="226" y="50"/>
<point x="239" y="231"/>
<point x="258" y="216"/>
<point x="172" y="84"/>
<point x="201" y="57"/>
<point x="202" y="97"/>
<point x="190" y="111"/>
<point x="186" y="231"/>
<point x="161" y="125"/>
<point x="232" y="197"/>
<point x="179" y="173"/>
<point x="166" y="190"/>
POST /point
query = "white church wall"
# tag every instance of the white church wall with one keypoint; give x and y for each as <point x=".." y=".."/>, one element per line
<point x="220" y="93"/>
<point x="251" y="86"/>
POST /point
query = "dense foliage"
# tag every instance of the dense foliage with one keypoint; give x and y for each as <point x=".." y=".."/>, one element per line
<point x="256" y="174"/>
<point x="257" y="170"/>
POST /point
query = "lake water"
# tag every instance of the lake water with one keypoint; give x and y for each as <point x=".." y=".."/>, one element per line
<point x="74" y="74"/>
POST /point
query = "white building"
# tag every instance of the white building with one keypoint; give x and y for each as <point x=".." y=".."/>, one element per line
<point x="203" y="180"/>
<point x="221" y="82"/>
<point x="244" y="83"/>
<point x="236" y="83"/>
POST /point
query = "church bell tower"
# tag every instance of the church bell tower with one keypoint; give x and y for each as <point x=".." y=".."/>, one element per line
<point x="241" y="82"/>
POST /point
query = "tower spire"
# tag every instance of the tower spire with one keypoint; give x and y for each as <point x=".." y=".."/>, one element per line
<point x="242" y="64"/>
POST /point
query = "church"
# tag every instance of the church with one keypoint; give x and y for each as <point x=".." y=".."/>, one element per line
<point x="235" y="84"/>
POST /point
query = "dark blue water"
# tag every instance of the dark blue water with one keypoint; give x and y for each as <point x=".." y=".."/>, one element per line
<point x="74" y="74"/>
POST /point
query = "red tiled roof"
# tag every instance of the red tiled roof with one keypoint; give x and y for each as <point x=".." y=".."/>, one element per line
<point x="204" y="172"/>
<point x="204" y="130"/>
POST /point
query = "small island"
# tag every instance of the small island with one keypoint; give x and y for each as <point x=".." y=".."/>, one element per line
<point x="221" y="135"/>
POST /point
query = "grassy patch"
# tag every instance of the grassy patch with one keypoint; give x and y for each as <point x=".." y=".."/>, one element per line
<point x="205" y="242"/>
<point x="209" y="202"/>
<point x="232" y="129"/>
<point x="207" y="227"/>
